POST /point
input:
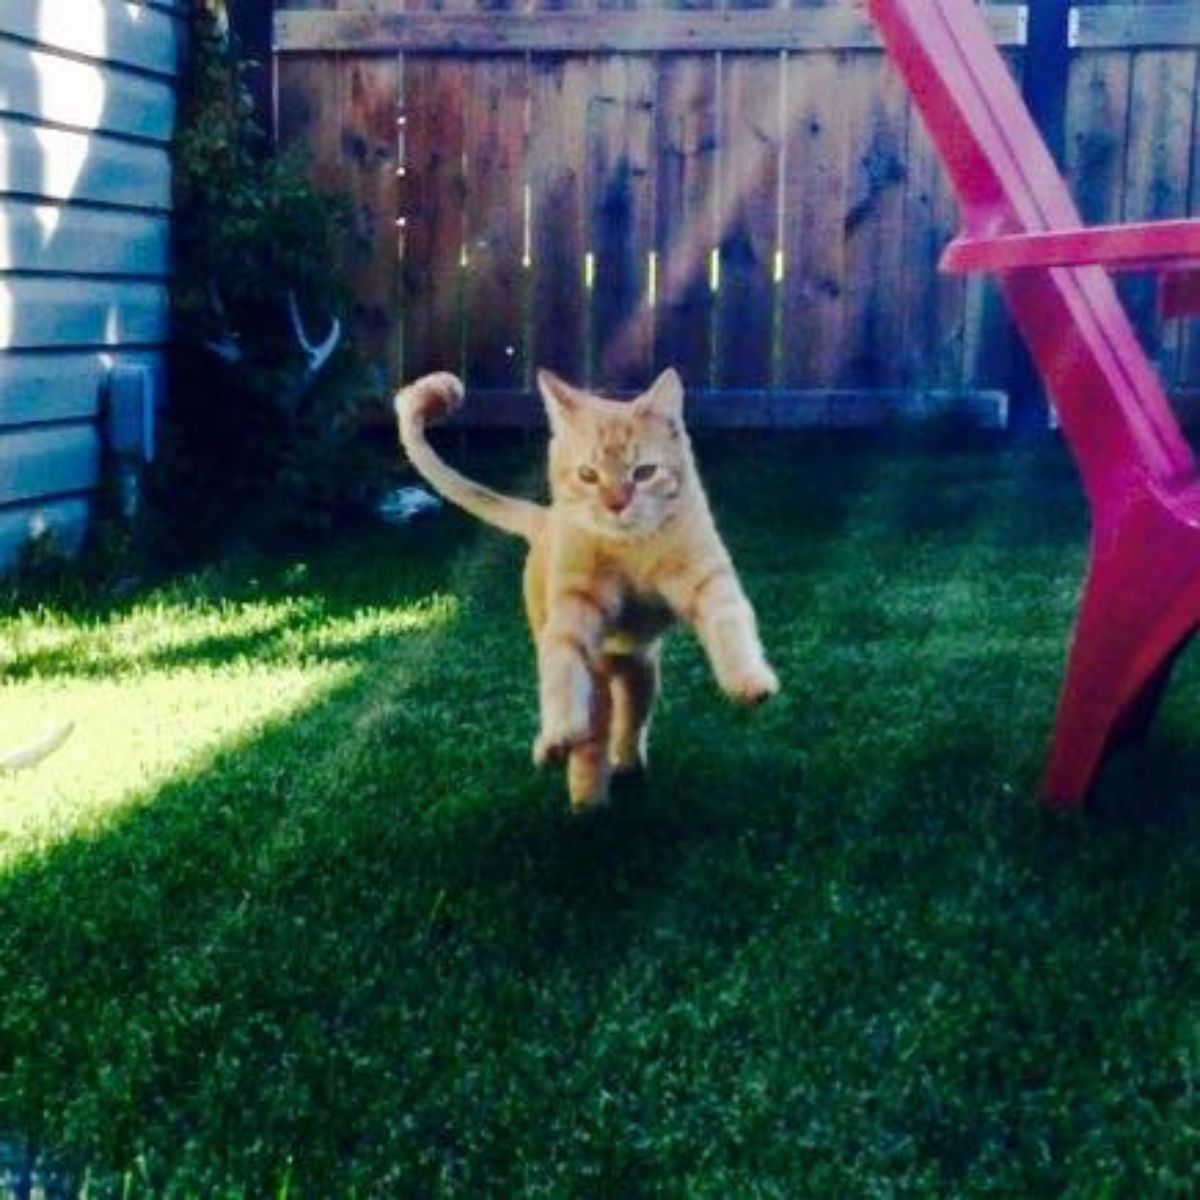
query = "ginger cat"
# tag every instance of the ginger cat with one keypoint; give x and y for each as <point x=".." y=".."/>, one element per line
<point x="626" y="545"/>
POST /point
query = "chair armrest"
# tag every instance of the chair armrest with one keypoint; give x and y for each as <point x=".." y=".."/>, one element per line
<point x="1152" y="246"/>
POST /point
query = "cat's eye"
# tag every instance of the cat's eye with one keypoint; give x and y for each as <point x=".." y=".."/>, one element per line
<point x="644" y="472"/>
<point x="588" y="475"/>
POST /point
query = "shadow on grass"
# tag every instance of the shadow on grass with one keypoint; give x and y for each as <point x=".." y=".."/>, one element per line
<point x="285" y="597"/>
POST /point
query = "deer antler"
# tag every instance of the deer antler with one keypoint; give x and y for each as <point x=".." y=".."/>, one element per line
<point x="318" y="356"/>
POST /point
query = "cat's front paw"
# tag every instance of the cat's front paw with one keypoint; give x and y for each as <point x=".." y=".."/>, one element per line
<point x="754" y="685"/>
<point x="554" y="743"/>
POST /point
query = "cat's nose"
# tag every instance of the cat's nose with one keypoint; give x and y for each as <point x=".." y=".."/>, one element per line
<point x="616" y="499"/>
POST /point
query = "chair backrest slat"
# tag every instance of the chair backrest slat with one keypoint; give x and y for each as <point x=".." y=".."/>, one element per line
<point x="1110" y="402"/>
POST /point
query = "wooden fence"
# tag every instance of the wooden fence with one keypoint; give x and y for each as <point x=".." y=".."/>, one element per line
<point x="742" y="192"/>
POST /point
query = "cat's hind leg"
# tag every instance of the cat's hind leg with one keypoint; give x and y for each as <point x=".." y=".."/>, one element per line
<point x="634" y="681"/>
<point x="588" y="767"/>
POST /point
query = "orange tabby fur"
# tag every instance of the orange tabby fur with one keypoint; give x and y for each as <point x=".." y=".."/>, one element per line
<point x="626" y="545"/>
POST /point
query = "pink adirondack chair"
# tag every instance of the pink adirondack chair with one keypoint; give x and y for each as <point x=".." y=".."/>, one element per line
<point x="1141" y="599"/>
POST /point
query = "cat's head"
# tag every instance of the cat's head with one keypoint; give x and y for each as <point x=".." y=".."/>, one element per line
<point x="622" y="467"/>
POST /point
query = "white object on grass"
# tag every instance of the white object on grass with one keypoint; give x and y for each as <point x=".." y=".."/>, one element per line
<point x="403" y="504"/>
<point x="31" y="755"/>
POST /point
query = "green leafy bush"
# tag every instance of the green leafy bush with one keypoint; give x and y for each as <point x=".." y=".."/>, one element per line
<point x="252" y="446"/>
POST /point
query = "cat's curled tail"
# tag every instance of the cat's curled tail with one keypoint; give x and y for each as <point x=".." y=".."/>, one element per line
<point x="431" y="398"/>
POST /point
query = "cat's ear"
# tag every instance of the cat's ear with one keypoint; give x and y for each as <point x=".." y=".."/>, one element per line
<point x="665" y="396"/>
<point x="563" y="402"/>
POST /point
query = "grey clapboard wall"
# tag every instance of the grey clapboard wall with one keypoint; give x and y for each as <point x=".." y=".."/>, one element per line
<point x="87" y="106"/>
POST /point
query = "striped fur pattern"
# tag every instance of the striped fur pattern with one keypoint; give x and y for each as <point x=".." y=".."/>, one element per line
<point x="626" y="546"/>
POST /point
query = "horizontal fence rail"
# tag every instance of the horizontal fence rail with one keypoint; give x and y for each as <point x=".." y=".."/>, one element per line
<point x="1173" y="26"/>
<point x="741" y="193"/>
<point x="609" y="32"/>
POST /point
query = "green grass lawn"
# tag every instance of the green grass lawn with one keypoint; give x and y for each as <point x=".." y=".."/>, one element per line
<point x="292" y="914"/>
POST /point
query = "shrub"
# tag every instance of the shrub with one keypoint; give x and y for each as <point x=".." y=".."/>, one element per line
<point x="252" y="447"/>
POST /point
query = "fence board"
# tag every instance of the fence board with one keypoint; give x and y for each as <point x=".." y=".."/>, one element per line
<point x="309" y="113"/>
<point x="1135" y="26"/>
<point x="874" y="217"/>
<point x="59" y="238"/>
<point x="1097" y="118"/>
<point x="932" y="305"/>
<point x="814" y="204"/>
<point x="615" y="31"/>
<point x="495" y="223"/>
<point x="559" y="89"/>
<point x="621" y="216"/>
<point x="686" y="217"/>
<point x="370" y="103"/>
<point x="749" y="180"/>
<point x="435" y="102"/>
<point x="1162" y="90"/>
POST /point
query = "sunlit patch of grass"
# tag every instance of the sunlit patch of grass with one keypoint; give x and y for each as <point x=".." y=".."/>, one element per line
<point x="173" y="630"/>
<point x="156" y="688"/>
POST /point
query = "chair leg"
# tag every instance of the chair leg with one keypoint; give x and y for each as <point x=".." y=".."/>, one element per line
<point x="1120" y="660"/>
<point x="1134" y="723"/>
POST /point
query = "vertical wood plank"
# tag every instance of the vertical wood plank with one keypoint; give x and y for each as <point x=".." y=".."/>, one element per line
<point x="1097" y="121"/>
<point x="621" y="204"/>
<point x="876" y="172"/>
<point x="814" y="201"/>
<point x="370" y="92"/>
<point x="932" y="305"/>
<point x="1161" y="101"/>
<point x="686" y="215"/>
<point x="685" y="234"/>
<point x="308" y="112"/>
<point x="495" y="212"/>
<point x="749" y="164"/>
<point x="559" y="87"/>
<point x="434" y="201"/>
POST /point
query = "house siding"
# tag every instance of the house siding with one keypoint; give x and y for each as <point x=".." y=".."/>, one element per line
<point x="87" y="108"/>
